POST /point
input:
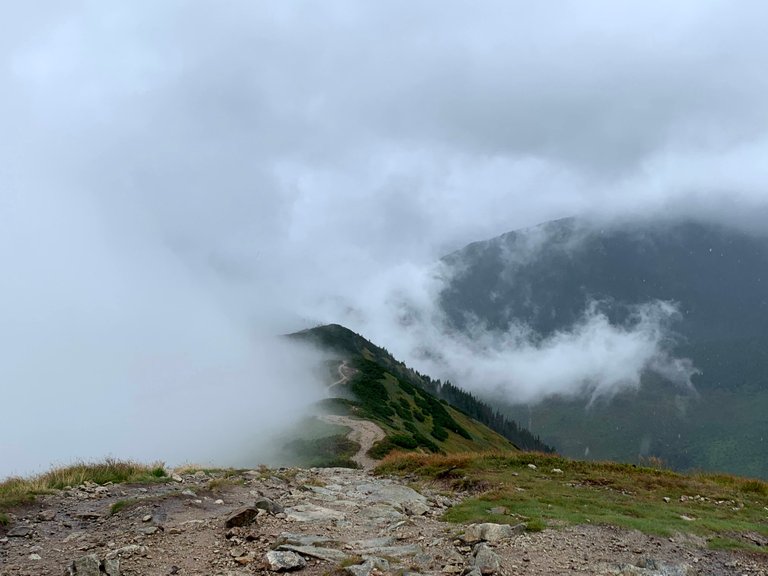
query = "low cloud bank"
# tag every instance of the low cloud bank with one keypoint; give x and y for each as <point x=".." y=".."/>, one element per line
<point x="112" y="346"/>
<point x="594" y="358"/>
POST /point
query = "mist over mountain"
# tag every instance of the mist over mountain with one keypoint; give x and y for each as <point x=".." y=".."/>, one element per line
<point x="698" y="292"/>
<point x="180" y="182"/>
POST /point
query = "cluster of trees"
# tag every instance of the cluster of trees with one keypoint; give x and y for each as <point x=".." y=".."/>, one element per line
<point x="482" y="412"/>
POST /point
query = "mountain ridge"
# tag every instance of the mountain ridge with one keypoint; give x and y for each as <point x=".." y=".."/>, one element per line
<point x="717" y="277"/>
<point x="375" y="363"/>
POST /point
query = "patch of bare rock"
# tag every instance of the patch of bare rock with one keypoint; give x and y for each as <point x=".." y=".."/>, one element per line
<point x="318" y="522"/>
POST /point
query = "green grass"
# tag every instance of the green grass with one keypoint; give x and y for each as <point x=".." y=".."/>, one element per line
<point x="724" y="543"/>
<point x="4" y="520"/>
<point x="18" y="491"/>
<point x="224" y="483"/>
<point x="120" y="505"/>
<point x="605" y="493"/>
<point x="324" y="452"/>
<point x="415" y="420"/>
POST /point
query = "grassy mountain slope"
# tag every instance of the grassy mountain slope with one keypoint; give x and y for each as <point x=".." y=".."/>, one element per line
<point x="545" y="278"/>
<point x="406" y="404"/>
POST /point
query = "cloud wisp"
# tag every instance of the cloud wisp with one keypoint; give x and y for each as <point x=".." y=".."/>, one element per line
<point x="592" y="359"/>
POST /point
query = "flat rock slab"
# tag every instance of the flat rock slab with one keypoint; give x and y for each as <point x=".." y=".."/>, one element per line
<point x="380" y="513"/>
<point x="304" y="539"/>
<point x="313" y="513"/>
<point x="373" y="543"/>
<point x="327" y="554"/>
<point x="20" y="531"/>
<point x="391" y="551"/>
<point x="393" y="494"/>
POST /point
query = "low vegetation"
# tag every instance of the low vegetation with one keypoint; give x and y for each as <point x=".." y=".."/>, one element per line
<point x="17" y="491"/>
<point x="326" y="451"/>
<point x="549" y="490"/>
<point x="121" y="505"/>
<point x="412" y="418"/>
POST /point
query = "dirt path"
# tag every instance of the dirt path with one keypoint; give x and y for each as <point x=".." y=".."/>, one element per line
<point x="364" y="433"/>
<point x="345" y="373"/>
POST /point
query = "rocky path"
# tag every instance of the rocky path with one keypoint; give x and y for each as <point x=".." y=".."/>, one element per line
<point x="317" y="522"/>
<point x="364" y="432"/>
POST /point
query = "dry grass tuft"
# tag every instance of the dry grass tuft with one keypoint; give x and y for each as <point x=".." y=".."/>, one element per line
<point x="16" y="491"/>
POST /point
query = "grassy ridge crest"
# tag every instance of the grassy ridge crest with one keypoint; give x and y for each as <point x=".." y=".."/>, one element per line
<point x="549" y="490"/>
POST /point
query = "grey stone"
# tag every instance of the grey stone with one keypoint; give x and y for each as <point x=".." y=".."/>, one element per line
<point x="111" y="566"/>
<point x="20" y="531"/>
<point x="269" y="505"/>
<point x="303" y="539"/>
<point x="312" y="513"/>
<point x="46" y="515"/>
<point x="363" y="569"/>
<point x="367" y="567"/>
<point x="490" y="532"/>
<point x="327" y="554"/>
<point x="373" y="543"/>
<point x="86" y="566"/>
<point x="391" y="551"/>
<point x="415" y="508"/>
<point x="393" y="494"/>
<point x="486" y="560"/>
<point x="284" y="561"/>
<point x="380" y="513"/>
<point x="241" y="517"/>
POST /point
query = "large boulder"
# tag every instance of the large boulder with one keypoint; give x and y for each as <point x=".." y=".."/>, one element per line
<point x="92" y="565"/>
<point x="486" y="560"/>
<point x="492" y="533"/>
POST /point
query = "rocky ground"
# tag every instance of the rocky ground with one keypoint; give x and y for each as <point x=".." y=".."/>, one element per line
<point x="318" y="522"/>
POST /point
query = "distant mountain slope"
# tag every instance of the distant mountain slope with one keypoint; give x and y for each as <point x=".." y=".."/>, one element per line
<point x="415" y="411"/>
<point x="546" y="277"/>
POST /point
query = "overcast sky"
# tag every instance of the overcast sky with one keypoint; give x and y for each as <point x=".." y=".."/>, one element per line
<point x="257" y="165"/>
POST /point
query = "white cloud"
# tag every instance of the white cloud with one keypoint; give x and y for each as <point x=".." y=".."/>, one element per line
<point x="190" y="171"/>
